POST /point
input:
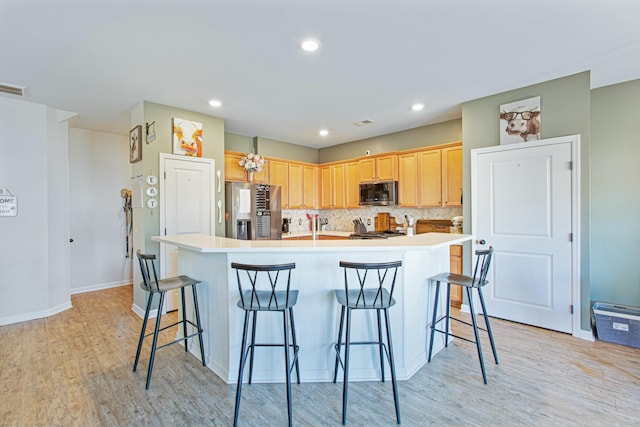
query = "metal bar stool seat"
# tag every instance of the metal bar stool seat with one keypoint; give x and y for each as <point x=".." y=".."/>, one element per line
<point x="379" y="298"/>
<point x="151" y="284"/>
<point x="254" y="300"/>
<point x="477" y="281"/>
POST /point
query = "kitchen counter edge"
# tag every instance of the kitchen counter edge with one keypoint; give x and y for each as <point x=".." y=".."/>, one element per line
<point x="208" y="244"/>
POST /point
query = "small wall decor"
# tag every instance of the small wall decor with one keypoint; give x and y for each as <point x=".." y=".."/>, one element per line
<point x="187" y="137"/>
<point x="8" y="203"/>
<point x="520" y="121"/>
<point x="135" y="144"/>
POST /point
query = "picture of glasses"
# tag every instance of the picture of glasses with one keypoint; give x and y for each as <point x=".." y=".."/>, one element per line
<point x="520" y="121"/>
<point x="525" y="115"/>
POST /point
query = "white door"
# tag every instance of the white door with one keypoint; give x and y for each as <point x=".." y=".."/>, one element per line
<point x="522" y="207"/>
<point x="186" y="204"/>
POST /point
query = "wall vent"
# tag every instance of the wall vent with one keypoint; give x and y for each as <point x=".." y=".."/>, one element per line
<point x="363" y="122"/>
<point x="13" y="90"/>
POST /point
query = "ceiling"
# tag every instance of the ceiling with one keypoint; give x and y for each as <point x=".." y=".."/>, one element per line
<point x="100" y="58"/>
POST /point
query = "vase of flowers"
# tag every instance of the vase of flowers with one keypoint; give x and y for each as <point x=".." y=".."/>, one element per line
<point x="252" y="163"/>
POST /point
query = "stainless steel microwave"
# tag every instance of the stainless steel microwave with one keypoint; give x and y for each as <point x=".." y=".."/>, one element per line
<point x="383" y="193"/>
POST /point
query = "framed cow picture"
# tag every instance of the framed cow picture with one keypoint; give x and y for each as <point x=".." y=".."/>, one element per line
<point x="520" y="121"/>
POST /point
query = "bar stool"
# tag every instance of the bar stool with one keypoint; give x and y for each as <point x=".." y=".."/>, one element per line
<point x="379" y="298"/>
<point x="253" y="300"/>
<point x="151" y="284"/>
<point x="478" y="280"/>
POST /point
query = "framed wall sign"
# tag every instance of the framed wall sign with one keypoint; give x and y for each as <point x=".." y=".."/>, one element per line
<point x="8" y="204"/>
<point x="135" y="146"/>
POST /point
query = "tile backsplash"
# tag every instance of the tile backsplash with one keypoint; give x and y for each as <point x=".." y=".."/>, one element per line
<point x="342" y="219"/>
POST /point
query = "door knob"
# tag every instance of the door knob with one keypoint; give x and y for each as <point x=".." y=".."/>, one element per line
<point x="481" y="242"/>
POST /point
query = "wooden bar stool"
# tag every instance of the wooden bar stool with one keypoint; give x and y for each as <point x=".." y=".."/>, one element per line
<point x="276" y="297"/>
<point x="360" y="297"/>
<point x="478" y="280"/>
<point x="151" y="284"/>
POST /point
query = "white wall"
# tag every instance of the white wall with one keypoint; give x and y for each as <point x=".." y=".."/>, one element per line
<point x="99" y="169"/>
<point x="34" y="251"/>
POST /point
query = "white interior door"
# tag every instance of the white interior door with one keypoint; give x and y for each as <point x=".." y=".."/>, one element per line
<point x="522" y="206"/>
<point x="186" y="204"/>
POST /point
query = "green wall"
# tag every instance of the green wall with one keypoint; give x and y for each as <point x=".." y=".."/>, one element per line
<point x="615" y="198"/>
<point x="239" y="143"/>
<point x="440" y="133"/>
<point x="285" y="150"/>
<point x="566" y="110"/>
<point x="212" y="148"/>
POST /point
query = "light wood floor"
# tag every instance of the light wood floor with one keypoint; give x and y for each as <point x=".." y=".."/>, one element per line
<point x="74" y="369"/>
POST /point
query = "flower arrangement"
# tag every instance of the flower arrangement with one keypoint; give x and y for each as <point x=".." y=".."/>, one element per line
<point x="252" y="163"/>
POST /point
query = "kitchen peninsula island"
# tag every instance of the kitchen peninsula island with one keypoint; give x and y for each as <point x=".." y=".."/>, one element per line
<point x="317" y="274"/>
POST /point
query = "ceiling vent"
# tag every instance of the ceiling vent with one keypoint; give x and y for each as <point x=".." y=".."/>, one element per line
<point x="363" y="122"/>
<point x="13" y="90"/>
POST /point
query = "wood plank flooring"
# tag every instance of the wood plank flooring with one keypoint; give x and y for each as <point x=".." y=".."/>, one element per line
<point x="74" y="369"/>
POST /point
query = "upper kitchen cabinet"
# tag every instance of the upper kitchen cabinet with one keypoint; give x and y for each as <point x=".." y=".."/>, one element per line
<point x="352" y="185"/>
<point x="407" y="182"/>
<point x="380" y="168"/>
<point x="279" y="175"/>
<point x="234" y="172"/>
<point x="303" y="186"/>
<point x="332" y="191"/>
<point x="430" y="177"/>
<point x="452" y="176"/>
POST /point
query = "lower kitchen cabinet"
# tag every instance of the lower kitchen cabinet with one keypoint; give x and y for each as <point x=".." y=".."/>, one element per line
<point x="455" y="266"/>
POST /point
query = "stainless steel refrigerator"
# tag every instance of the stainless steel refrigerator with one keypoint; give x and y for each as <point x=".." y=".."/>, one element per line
<point x="253" y="211"/>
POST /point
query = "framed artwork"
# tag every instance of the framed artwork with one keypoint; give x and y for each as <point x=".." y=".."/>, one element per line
<point x="135" y="146"/>
<point x="520" y="121"/>
<point x="187" y="137"/>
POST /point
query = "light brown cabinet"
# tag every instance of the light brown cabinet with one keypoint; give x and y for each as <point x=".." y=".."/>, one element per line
<point x="431" y="177"/>
<point x="455" y="254"/>
<point x="303" y="186"/>
<point x="309" y="186"/>
<point x="234" y="172"/>
<point x="452" y="176"/>
<point x="279" y="175"/>
<point x="352" y="185"/>
<point x="455" y="266"/>
<point x="332" y="186"/>
<point x="296" y="186"/>
<point x="408" y="179"/>
<point x="380" y="168"/>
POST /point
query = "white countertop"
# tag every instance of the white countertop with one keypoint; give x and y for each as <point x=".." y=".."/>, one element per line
<point x="305" y="233"/>
<point x="207" y="243"/>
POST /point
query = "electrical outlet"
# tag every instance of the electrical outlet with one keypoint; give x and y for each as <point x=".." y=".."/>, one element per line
<point x="368" y="221"/>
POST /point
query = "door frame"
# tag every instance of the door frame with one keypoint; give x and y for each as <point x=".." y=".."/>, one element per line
<point x="574" y="141"/>
<point x="162" y="179"/>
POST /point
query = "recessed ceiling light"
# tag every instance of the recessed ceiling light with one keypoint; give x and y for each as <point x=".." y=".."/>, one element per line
<point x="417" y="107"/>
<point x="323" y="132"/>
<point x="310" y="45"/>
<point x="215" y="103"/>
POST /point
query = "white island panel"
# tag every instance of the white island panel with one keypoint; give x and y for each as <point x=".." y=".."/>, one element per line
<point x="317" y="313"/>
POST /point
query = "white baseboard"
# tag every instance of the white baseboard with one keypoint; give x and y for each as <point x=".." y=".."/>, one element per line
<point x="100" y="286"/>
<point x="140" y="311"/>
<point x="585" y="335"/>
<point x="35" y="314"/>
